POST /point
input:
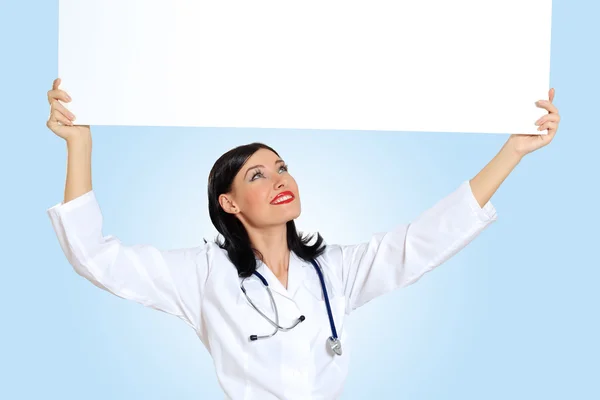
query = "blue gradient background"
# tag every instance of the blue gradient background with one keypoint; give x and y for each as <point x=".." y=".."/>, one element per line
<point x="512" y="316"/>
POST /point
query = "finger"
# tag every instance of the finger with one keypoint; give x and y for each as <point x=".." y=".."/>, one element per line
<point x="59" y="95"/>
<point x="56" y="84"/>
<point x="548" y="117"/>
<point x="63" y="110"/>
<point x="58" y="116"/>
<point x="545" y="104"/>
<point x="551" y="95"/>
<point x="53" y="124"/>
<point x="548" y="136"/>
<point x="548" y="125"/>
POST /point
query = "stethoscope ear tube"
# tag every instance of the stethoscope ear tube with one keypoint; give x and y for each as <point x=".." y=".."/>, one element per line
<point x="333" y="340"/>
<point x="274" y="323"/>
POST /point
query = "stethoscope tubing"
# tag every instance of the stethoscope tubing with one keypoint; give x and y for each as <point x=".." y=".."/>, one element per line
<point x="334" y="336"/>
<point x="329" y="313"/>
<point x="275" y="324"/>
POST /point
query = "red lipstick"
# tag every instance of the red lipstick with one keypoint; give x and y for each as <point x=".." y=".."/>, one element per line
<point x="276" y="201"/>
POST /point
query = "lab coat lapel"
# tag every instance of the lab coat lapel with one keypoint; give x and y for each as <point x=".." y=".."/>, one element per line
<point x="296" y="273"/>
<point x="295" y="277"/>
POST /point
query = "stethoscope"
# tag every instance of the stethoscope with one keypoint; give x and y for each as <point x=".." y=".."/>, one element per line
<point x="333" y="340"/>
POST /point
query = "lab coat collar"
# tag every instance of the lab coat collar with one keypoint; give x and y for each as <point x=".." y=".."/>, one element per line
<point x="296" y="274"/>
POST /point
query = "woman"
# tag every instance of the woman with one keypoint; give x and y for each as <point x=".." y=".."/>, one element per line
<point x="215" y="287"/>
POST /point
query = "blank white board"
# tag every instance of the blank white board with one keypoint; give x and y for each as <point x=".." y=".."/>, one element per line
<point x="474" y="66"/>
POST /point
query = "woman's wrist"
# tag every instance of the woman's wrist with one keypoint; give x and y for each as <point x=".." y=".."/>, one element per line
<point x="79" y="140"/>
<point x="512" y="148"/>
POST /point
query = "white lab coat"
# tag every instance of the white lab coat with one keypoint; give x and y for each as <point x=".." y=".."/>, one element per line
<point x="201" y="286"/>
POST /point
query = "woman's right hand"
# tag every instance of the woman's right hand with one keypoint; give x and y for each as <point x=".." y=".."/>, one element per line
<point x="61" y="119"/>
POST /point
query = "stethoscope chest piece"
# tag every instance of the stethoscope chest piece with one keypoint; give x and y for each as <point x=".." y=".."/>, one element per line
<point x="335" y="345"/>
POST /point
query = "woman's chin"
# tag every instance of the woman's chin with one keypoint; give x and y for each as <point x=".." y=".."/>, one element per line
<point x="291" y="214"/>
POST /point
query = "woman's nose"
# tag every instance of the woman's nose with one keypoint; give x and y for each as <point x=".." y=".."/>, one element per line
<point x="281" y="182"/>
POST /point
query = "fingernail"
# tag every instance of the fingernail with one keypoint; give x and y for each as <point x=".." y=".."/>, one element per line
<point x="68" y="97"/>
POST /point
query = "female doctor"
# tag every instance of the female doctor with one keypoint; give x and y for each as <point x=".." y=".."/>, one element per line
<point x="269" y="307"/>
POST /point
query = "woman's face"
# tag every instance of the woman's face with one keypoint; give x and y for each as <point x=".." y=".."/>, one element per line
<point x="255" y="190"/>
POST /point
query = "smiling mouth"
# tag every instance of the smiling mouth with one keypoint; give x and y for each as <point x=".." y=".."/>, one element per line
<point x="283" y="199"/>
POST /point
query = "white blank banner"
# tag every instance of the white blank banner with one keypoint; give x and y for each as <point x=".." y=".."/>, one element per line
<point x="390" y="65"/>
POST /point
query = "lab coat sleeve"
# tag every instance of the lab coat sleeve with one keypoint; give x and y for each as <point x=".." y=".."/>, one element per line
<point x="401" y="256"/>
<point x="171" y="281"/>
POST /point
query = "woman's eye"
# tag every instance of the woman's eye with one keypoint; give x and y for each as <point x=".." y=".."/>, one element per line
<point x="257" y="173"/>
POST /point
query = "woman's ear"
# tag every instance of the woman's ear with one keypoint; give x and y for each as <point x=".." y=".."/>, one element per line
<point x="227" y="204"/>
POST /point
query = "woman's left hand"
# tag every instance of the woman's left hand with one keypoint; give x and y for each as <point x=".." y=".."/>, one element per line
<point x="525" y="144"/>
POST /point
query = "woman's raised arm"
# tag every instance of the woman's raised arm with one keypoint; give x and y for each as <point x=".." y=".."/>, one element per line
<point x="171" y="281"/>
<point x="79" y="143"/>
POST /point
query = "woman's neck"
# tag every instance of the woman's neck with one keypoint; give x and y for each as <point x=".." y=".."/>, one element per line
<point x="272" y="245"/>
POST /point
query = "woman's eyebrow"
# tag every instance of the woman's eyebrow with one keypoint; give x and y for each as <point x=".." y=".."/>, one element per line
<point x="260" y="165"/>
